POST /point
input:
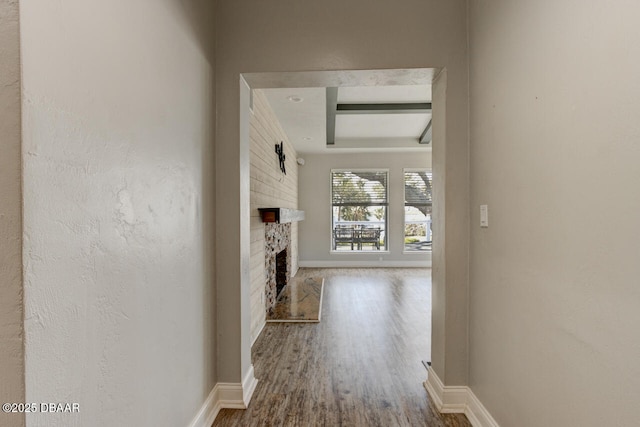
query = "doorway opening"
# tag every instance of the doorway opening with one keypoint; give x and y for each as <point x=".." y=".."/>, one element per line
<point x="330" y="82"/>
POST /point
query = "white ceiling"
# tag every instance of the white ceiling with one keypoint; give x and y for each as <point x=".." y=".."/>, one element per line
<point x="379" y="126"/>
<point x="305" y="121"/>
<point x="302" y="120"/>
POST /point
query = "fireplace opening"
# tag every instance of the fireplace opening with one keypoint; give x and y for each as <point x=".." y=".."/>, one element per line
<point x="281" y="271"/>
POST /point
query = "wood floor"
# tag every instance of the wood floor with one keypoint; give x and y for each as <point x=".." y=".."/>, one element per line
<point x="360" y="366"/>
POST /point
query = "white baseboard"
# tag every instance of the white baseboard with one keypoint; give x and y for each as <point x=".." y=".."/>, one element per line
<point x="225" y="395"/>
<point x="477" y="412"/>
<point x="365" y="264"/>
<point x="249" y="384"/>
<point x="458" y="400"/>
<point x="208" y="411"/>
<point x="253" y="341"/>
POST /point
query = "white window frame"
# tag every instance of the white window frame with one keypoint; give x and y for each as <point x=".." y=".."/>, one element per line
<point x="404" y="216"/>
<point x="387" y="213"/>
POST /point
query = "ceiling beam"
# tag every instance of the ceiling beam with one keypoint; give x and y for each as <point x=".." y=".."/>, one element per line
<point x="332" y="104"/>
<point x="388" y="108"/>
<point x="426" y="136"/>
<point x="333" y="108"/>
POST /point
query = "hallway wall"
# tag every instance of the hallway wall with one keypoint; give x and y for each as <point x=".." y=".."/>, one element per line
<point x="118" y="155"/>
<point x="554" y="295"/>
<point x="11" y="325"/>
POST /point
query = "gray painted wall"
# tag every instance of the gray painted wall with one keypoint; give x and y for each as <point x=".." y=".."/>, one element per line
<point x="315" y="199"/>
<point x="117" y="156"/>
<point x="554" y="303"/>
<point x="256" y="36"/>
<point x="553" y="297"/>
<point x="11" y="325"/>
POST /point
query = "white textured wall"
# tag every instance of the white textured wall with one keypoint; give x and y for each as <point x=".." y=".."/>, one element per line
<point x="11" y="327"/>
<point x="117" y="155"/>
<point x="289" y="35"/>
<point x="315" y="200"/>
<point x="269" y="188"/>
<point x="555" y="153"/>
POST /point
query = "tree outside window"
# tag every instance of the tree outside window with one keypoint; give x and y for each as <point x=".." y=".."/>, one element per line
<point x="417" y="210"/>
<point x="359" y="200"/>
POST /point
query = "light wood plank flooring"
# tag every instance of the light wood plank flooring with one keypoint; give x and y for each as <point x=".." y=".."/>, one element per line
<point x="360" y="366"/>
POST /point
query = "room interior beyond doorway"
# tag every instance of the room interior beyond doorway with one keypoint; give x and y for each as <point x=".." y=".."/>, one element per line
<point x="297" y="89"/>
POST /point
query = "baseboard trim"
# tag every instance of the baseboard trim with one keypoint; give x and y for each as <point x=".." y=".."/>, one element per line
<point x="451" y="400"/>
<point x="249" y="384"/>
<point x="476" y="412"/>
<point x="209" y="410"/>
<point x="458" y="400"/>
<point x="253" y="341"/>
<point x="225" y="395"/>
<point x="364" y="264"/>
<point x="230" y="395"/>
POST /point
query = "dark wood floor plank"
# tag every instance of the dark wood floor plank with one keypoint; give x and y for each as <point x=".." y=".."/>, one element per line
<point x="360" y="366"/>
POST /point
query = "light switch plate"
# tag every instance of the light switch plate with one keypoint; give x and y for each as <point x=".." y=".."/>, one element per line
<point x="484" y="216"/>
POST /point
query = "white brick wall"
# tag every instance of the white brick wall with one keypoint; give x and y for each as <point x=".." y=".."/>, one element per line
<point x="269" y="188"/>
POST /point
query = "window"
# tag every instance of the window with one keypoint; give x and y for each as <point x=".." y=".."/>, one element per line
<point x="359" y="203"/>
<point x="417" y="210"/>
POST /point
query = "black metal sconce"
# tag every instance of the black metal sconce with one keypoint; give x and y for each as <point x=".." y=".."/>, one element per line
<point x="281" y="157"/>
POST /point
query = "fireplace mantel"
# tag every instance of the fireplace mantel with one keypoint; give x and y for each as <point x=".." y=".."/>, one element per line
<point x="280" y="215"/>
